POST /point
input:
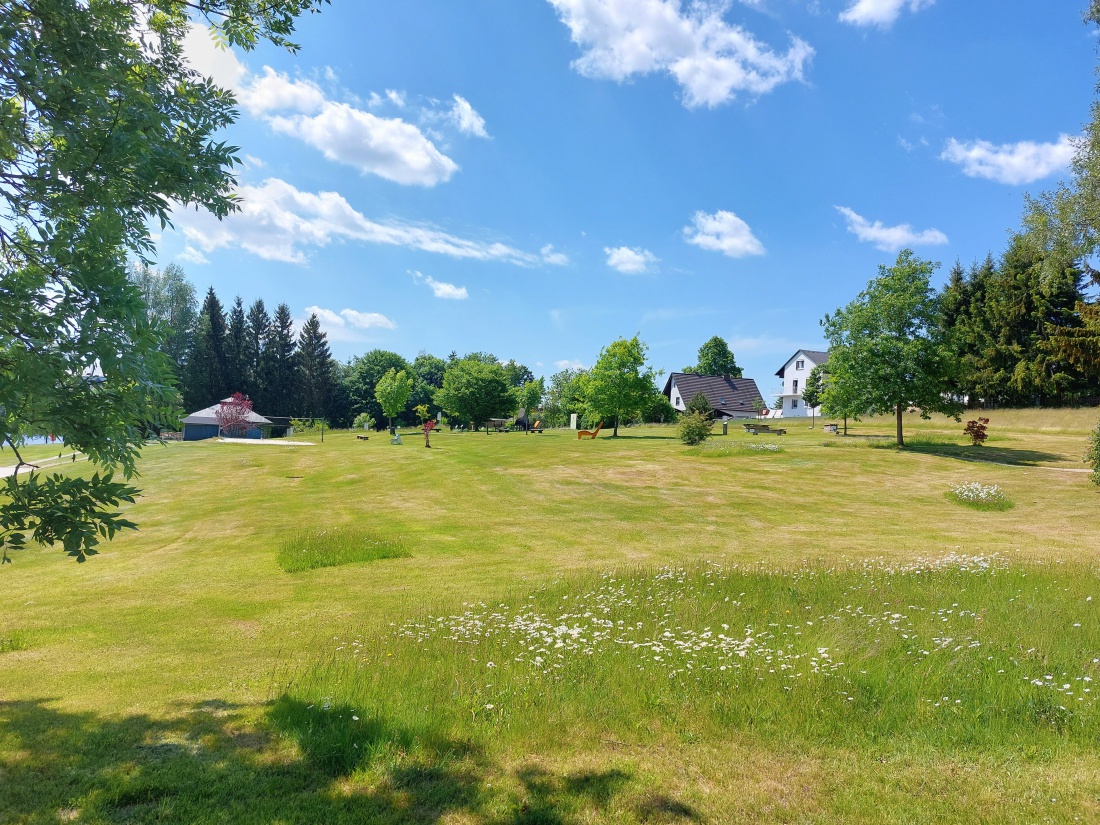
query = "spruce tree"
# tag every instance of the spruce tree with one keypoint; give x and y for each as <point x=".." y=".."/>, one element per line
<point x="282" y="372"/>
<point x="258" y="330"/>
<point x="236" y="350"/>
<point x="316" y="371"/>
<point x="206" y="374"/>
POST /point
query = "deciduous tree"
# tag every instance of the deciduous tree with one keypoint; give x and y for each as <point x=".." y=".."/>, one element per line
<point x="475" y="391"/>
<point x="234" y="415"/>
<point x="620" y="383"/>
<point x="812" y="392"/>
<point x="103" y="127"/>
<point x="716" y="358"/>
<point x="361" y="378"/>
<point x="886" y="350"/>
<point x="170" y="303"/>
<point x="392" y="392"/>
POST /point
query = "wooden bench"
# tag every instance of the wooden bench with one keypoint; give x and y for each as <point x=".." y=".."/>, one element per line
<point x="363" y="437"/>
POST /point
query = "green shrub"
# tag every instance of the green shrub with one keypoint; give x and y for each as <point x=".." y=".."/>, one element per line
<point x="699" y="404"/>
<point x="695" y="428"/>
<point x="309" y="425"/>
<point x="363" y="421"/>
<point x="1092" y="455"/>
<point x="333" y="547"/>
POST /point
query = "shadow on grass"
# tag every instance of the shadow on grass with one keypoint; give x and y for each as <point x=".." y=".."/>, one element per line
<point x="997" y="455"/>
<point x="211" y="764"/>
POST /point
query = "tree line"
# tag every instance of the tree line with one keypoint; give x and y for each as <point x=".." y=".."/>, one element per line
<point x="249" y="350"/>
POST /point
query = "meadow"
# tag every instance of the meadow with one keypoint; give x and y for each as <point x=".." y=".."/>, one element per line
<point x="530" y="629"/>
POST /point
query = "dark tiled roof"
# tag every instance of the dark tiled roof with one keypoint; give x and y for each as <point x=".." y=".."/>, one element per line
<point x="723" y="394"/>
<point x="814" y="355"/>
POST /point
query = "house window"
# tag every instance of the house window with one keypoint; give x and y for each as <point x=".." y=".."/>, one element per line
<point x="795" y="386"/>
<point x="677" y="401"/>
<point x="800" y="365"/>
<point x="794" y="403"/>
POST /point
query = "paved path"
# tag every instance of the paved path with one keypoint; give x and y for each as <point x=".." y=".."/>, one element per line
<point x="282" y="441"/>
<point x="44" y="464"/>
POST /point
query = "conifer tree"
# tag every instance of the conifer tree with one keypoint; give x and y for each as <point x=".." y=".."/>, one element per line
<point x="236" y="350"/>
<point x="258" y="330"/>
<point x="206" y="374"/>
<point x="316" y="371"/>
<point x="281" y="373"/>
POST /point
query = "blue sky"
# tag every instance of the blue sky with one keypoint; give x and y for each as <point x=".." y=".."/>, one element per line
<point x="538" y="178"/>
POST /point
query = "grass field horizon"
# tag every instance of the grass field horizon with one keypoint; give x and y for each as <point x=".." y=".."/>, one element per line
<point x="185" y="661"/>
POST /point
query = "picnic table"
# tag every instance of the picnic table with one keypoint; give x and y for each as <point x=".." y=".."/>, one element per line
<point x="765" y="429"/>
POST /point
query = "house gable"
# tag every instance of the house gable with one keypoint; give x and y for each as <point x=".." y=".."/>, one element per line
<point x="728" y="397"/>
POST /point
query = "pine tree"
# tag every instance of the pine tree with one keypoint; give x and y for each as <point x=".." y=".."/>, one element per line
<point x="316" y="371"/>
<point x="258" y="330"/>
<point x="206" y="374"/>
<point x="282" y="372"/>
<point x="236" y="350"/>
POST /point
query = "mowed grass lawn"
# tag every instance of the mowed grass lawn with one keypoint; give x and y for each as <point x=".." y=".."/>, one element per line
<point x="182" y="675"/>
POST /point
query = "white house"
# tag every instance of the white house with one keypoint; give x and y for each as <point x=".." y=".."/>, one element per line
<point x="794" y="374"/>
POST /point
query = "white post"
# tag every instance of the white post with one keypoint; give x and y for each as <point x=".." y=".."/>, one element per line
<point x="572" y="421"/>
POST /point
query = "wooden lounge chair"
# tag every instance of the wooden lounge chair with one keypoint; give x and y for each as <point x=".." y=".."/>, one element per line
<point x="590" y="433"/>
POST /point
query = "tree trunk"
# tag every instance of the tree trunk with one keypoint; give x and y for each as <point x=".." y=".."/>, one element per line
<point x="615" y="434"/>
<point x="901" y="438"/>
<point x="845" y="425"/>
<point x="813" y="417"/>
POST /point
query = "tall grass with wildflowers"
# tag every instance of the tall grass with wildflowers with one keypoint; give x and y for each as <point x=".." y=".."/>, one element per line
<point x="955" y="653"/>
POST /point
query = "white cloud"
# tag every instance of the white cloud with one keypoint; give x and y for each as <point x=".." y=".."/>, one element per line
<point x="367" y="320"/>
<point x="276" y="221"/>
<point x="442" y="289"/>
<point x="881" y="13"/>
<point x="723" y="232"/>
<point x="325" y="316"/>
<point x="711" y="59"/>
<point x="1012" y="163"/>
<point x="274" y="91"/>
<point x="193" y="256"/>
<point x="209" y="59"/>
<point x="566" y="364"/>
<point x="340" y="325"/>
<point x="889" y="238"/>
<point x="466" y="119"/>
<point x="630" y="261"/>
<point x="387" y="147"/>
<point x="549" y="256"/>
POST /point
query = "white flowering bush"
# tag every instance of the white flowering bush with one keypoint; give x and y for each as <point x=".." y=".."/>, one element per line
<point x="980" y="496"/>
